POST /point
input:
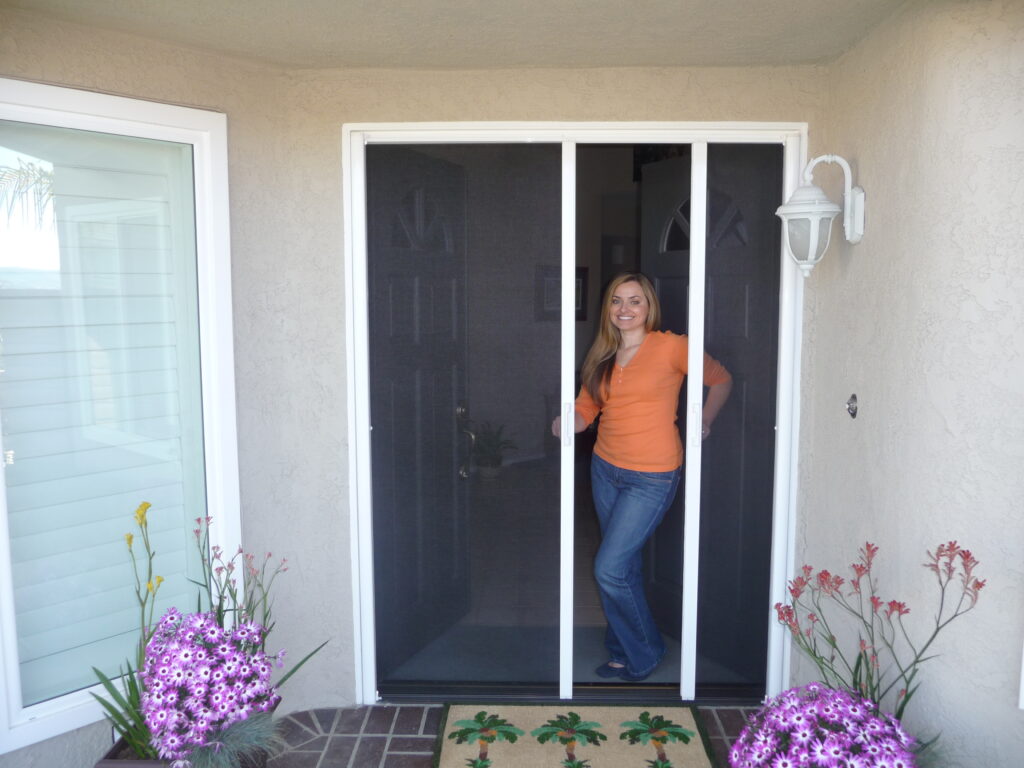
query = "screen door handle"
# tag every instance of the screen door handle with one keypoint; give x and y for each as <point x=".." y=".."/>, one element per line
<point x="568" y="423"/>
<point x="462" y="420"/>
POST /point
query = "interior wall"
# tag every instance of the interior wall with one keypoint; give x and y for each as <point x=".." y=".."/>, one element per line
<point x="288" y="267"/>
<point x="606" y="205"/>
<point x="922" y="320"/>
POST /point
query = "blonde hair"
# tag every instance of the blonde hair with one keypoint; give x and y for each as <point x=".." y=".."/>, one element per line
<point x="597" y="367"/>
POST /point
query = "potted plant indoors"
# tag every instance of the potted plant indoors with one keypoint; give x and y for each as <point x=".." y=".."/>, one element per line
<point x="199" y="695"/>
<point x="489" y="448"/>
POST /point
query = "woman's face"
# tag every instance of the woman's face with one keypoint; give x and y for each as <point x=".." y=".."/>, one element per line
<point x="629" y="308"/>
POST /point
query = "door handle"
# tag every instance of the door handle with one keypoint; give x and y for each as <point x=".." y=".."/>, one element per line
<point x="463" y="422"/>
<point x="464" y="469"/>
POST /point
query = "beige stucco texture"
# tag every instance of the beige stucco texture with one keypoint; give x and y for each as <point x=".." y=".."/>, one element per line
<point x="922" y="319"/>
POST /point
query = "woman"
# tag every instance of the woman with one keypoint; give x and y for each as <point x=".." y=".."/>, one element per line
<point x="632" y="376"/>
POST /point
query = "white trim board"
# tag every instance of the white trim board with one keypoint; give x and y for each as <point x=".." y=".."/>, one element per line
<point x="355" y="137"/>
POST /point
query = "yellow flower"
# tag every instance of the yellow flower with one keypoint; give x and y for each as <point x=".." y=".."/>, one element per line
<point x="129" y="539"/>
<point x="150" y="587"/>
<point x="140" y="513"/>
<point x="159" y="581"/>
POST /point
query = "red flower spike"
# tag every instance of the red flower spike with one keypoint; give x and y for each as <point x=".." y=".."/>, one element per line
<point x="867" y="554"/>
<point x="797" y="586"/>
<point x="967" y="562"/>
<point x="859" y="572"/>
<point x="829" y="584"/>
<point x="894" y="606"/>
<point x="972" y="591"/>
<point x="947" y="560"/>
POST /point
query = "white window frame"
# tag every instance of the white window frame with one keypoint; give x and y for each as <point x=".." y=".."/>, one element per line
<point x="793" y="138"/>
<point x="206" y="131"/>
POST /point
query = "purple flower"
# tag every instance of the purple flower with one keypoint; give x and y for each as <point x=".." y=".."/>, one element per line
<point x="192" y="684"/>
<point x="819" y="727"/>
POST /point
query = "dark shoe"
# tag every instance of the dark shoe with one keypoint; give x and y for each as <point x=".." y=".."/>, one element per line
<point x="607" y="670"/>
<point x="629" y="677"/>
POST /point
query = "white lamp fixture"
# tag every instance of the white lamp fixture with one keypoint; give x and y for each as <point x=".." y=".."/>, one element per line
<point x="807" y="217"/>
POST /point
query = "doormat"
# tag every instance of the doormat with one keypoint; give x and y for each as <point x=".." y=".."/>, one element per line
<point x="567" y="735"/>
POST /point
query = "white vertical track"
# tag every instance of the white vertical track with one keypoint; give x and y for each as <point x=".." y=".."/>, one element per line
<point x="794" y="137"/>
<point x="694" y="403"/>
<point x="787" y="420"/>
<point x="353" y="151"/>
<point x="568" y="384"/>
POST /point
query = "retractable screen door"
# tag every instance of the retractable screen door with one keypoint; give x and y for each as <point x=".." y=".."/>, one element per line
<point x="463" y="249"/>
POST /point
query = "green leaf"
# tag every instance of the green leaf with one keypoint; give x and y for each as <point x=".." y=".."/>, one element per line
<point x="111" y="689"/>
<point x="298" y="666"/>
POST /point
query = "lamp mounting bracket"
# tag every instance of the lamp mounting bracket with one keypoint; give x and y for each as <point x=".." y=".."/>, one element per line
<point x="853" y="197"/>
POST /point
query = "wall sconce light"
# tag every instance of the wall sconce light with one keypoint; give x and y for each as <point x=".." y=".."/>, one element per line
<point x="807" y="216"/>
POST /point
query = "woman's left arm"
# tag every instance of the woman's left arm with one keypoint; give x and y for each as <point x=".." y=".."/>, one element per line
<point x="717" y="395"/>
<point x="719" y="382"/>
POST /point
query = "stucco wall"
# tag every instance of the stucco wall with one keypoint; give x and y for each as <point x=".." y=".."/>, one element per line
<point x="288" y="276"/>
<point x="922" y="320"/>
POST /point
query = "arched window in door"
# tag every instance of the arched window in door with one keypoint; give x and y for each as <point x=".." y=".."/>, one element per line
<point x="725" y="224"/>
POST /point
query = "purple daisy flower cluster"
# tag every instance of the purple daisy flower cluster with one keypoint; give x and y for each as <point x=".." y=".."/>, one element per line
<point x="199" y="678"/>
<point x="815" y="726"/>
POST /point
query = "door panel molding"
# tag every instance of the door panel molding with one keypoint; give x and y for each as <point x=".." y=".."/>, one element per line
<point x="355" y="137"/>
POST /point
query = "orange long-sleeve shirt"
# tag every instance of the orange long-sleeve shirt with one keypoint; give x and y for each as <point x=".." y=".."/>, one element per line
<point x="638" y="421"/>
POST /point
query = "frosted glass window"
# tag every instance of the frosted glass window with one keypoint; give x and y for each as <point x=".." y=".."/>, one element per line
<point x="100" y="403"/>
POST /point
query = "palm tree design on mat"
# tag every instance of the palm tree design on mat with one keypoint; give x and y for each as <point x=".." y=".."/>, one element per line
<point x="656" y="731"/>
<point x="570" y="730"/>
<point x="485" y="729"/>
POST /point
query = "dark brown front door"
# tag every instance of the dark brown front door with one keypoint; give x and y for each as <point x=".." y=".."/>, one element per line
<point x="464" y="341"/>
<point x="416" y="259"/>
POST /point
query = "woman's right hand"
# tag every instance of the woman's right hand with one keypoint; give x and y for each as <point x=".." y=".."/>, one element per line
<point x="578" y="425"/>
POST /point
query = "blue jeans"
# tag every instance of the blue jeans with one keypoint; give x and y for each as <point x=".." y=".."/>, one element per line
<point x="629" y="506"/>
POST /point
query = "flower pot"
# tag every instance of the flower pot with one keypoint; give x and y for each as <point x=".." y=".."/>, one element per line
<point x="119" y="756"/>
<point x="114" y="759"/>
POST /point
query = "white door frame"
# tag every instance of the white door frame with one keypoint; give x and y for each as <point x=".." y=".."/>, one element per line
<point x="793" y="138"/>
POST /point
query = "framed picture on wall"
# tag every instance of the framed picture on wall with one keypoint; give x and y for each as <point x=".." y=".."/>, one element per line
<point x="548" y="293"/>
